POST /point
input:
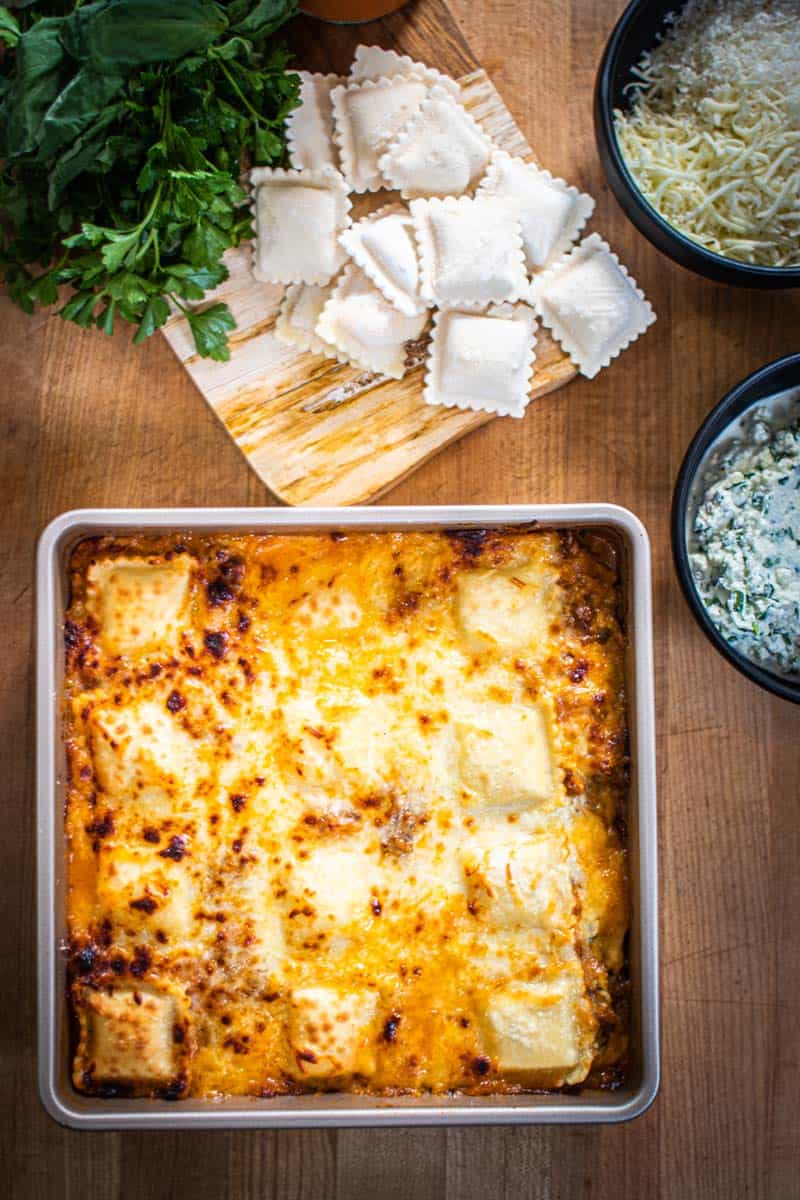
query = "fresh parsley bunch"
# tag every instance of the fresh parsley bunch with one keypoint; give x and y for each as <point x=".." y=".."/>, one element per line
<point x="124" y="126"/>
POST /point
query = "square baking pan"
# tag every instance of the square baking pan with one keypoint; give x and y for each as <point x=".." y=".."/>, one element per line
<point x="339" y="1109"/>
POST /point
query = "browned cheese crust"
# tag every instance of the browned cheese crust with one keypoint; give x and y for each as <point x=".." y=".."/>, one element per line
<point x="346" y="811"/>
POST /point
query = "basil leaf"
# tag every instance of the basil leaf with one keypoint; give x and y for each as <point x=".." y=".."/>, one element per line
<point x="231" y="49"/>
<point x="80" y="157"/>
<point x="210" y="330"/>
<point x="265" y="18"/>
<point x="132" y="32"/>
<point x="237" y="10"/>
<point x="82" y="100"/>
<point x="39" y="60"/>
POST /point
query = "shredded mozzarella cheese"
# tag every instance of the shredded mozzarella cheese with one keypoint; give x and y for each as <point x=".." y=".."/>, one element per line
<point x="712" y="136"/>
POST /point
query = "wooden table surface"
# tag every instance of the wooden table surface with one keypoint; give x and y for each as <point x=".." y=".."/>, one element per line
<point x="87" y="421"/>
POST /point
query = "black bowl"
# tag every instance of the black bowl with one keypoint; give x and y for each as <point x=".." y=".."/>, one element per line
<point x="638" y="30"/>
<point x="776" y="377"/>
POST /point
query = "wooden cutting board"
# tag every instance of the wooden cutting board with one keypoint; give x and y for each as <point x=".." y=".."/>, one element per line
<point x="315" y="431"/>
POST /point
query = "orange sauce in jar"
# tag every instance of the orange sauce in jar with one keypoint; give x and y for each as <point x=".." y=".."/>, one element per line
<point x="350" y="10"/>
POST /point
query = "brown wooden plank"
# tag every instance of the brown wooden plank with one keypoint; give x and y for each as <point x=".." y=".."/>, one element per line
<point x="283" y="1166"/>
<point x="163" y="1165"/>
<point x="511" y="1164"/>
<point x="390" y="1163"/>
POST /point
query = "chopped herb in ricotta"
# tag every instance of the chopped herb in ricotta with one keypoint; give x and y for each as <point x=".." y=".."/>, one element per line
<point x="745" y="540"/>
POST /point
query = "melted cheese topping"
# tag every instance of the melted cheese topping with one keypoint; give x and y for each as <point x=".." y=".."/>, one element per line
<point x="345" y="812"/>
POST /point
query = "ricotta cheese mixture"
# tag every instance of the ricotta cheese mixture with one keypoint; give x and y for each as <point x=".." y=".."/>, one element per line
<point x="745" y="546"/>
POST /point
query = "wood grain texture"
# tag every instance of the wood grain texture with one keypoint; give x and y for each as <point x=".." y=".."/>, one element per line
<point x="318" y="431"/>
<point x="87" y="421"/>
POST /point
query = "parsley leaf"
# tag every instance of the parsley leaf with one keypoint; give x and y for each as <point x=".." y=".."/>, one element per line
<point x="210" y="329"/>
<point x="191" y="283"/>
<point x="205" y="243"/>
<point x="156" y="312"/>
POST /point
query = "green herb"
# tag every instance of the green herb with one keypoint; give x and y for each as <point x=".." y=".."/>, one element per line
<point x="124" y="128"/>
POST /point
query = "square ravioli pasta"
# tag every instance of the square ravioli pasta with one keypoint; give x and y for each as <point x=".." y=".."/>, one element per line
<point x="384" y="247"/>
<point x="551" y="212"/>
<point x="539" y="1026"/>
<point x="441" y="152"/>
<point x="329" y="1032"/>
<point x="134" y="1036"/>
<point x="298" y="315"/>
<point x="482" y="361"/>
<point x="470" y="251"/>
<point x="365" y="328"/>
<point x="591" y="305"/>
<point x="367" y="116"/>
<point x="299" y="216"/>
<point x="309" y="127"/>
<point x="139" y="607"/>
<point x="373" y="62"/>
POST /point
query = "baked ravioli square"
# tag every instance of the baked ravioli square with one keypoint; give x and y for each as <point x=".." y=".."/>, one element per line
<point x="505" y="754"/>
<point x="139" y="606"/>
<point x="506" y="609"/>
<point x="524" y="884"/>
<point x="329" y="1032"/>
<point x="132" y="1036"/>
<point x="538" y="1028"/>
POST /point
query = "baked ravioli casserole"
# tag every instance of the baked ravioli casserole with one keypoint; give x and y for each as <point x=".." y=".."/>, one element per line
<point x="346" y="811"/>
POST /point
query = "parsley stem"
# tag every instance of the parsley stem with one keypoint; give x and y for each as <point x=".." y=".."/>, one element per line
<point x="257" y="116"/>
<point x="154" y="203"/>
